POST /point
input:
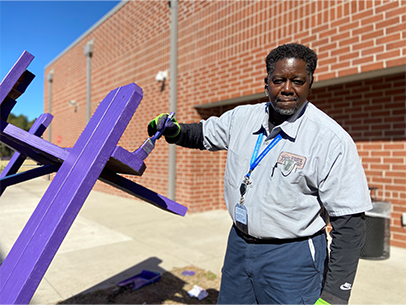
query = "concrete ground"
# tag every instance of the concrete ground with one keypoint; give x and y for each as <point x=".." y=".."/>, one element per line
<point x="114" y="238"/>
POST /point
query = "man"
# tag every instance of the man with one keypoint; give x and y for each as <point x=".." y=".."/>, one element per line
<point x="290" y="171"/>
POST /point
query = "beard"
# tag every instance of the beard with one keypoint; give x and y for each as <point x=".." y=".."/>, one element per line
<point x="284" y="111"/>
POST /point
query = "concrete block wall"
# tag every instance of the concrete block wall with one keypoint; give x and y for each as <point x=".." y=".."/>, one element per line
<point x="222" y="48"/>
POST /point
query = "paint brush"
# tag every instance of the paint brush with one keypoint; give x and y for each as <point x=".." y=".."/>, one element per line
<point x="149" y="144"/>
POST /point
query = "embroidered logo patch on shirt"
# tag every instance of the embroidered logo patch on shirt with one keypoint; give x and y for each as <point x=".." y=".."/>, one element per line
<point x="290" y="162"/>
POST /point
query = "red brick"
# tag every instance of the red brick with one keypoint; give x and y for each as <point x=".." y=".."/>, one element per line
<point x="381" y="180"/>
<point x="363" y="45"/>
<point x="399" y="188"/>
<point x="388" y="38"/>
<point x="394" y="174"/>
<point x="326" y="76"/>
<point x="361" y="30"/>
<point x="348" y="41"/>
<point x="346" y="72"/>
<point x="387" y="6"/>
<point x="395" y="45"/>
<point x="340" y="65"/>
<point x="329" y="33"/>
<point x="396" y="12"/>
<point x="320" y="42"/>
<point x="361" y="15"/>
<point x="395" y="28"/>
<point x="329" y="60"/>
<point x="340" y="51"/>
<point x="386" y="55"/>
<point x="372" y="35"/>
<point x="328" y="47"/>
<point x="362" y="60"/>
<point x="394" y="146"/>
<point x="339" y="22"/>
<point x="396" y="62"/>
<point x="398" y="243"/>
<point x="308" y="39"/>
<point x="371" y="67"/>
<point x="372" y="50"/>
<point x="321" y="28"/>
<point x="349" y="26"/>
<point x="372" y="19"/>
<point x="380" y="167"/>
<point x="387" y="22"/>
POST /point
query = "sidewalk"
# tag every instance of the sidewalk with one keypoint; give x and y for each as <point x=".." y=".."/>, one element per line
<point x="114" y="238"/>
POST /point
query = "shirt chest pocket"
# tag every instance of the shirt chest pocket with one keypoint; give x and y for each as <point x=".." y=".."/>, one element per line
<point x="288" y="186"/>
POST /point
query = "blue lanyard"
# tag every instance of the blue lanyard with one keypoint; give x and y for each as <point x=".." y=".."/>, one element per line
<point x="254" y="159"/>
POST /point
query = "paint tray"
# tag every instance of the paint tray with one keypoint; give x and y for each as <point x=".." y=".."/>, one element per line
<point x="144" y="278"/>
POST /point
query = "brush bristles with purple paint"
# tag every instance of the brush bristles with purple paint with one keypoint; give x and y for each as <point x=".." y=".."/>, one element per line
<point x="145" y="149"/>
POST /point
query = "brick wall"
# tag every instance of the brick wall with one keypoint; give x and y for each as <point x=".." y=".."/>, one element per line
<point x="226" y="42"/>
<point x="374" y="113"/>
<point x="222" y="47"/>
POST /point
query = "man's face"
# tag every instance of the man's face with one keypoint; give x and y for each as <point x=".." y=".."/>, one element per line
<point x="288" y="86"/>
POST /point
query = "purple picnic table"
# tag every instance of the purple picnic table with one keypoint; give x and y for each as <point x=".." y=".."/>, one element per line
<point x="94" y="156"/>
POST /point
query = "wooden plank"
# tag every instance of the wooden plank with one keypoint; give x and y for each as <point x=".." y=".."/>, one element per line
<point x="14" y="75"/>
<point x="30" y="145"/>
<point x="37" y="129"/>
<point x="28" y="260"/>
<point x="142" y="193"/>
<point x="27" y="175"/>
<point x="21" y="85"/>
<point x="124" y="162"/>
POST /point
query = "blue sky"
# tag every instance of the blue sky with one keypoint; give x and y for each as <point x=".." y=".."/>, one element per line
<point x="44" y="29"/>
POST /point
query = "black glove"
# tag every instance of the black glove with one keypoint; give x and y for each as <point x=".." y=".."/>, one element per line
<point x="172" y="128"/>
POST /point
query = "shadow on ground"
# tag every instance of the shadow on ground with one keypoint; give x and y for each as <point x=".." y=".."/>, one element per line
<point x="172" y="288"/>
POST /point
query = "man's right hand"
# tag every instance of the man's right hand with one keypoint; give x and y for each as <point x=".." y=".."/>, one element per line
<point x="172" y="128"/>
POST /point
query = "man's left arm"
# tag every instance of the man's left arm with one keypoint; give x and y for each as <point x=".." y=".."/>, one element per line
<point x="345" y="195"/>
<point x="348" y="235"/>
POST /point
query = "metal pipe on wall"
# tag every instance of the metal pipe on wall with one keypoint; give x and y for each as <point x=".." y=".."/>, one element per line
<point x="50" y="78"/>
<point x="88" y="53"/>
<point x="173" y="95"/>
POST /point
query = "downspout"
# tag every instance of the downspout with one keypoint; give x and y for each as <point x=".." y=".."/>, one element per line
<point x="88" y="53"/>
<point x="173" y="95"/>
<point x="50" y="78"/>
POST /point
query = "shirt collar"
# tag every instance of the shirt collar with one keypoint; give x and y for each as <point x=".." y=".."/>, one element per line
<point x="264" y="127"/>
<point x="290" y="127"/>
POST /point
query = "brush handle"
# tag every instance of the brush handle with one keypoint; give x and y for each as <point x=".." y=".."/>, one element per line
<point x="158" y="134"/>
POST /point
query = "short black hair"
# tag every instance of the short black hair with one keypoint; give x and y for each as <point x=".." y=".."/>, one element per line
<point x="292" y="50"/>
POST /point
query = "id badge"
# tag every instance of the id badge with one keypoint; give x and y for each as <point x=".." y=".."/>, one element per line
<point x="241" y="218"/>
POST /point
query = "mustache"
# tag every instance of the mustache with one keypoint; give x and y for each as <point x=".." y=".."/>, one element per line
<point x="280" y="99"/>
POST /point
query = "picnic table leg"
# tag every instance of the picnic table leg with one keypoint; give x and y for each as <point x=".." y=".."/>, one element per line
<point x="27" y="175"/>
<point x="28" y="260"/>
<point x="136" y="190"/>
<point x="38" y="128"/>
